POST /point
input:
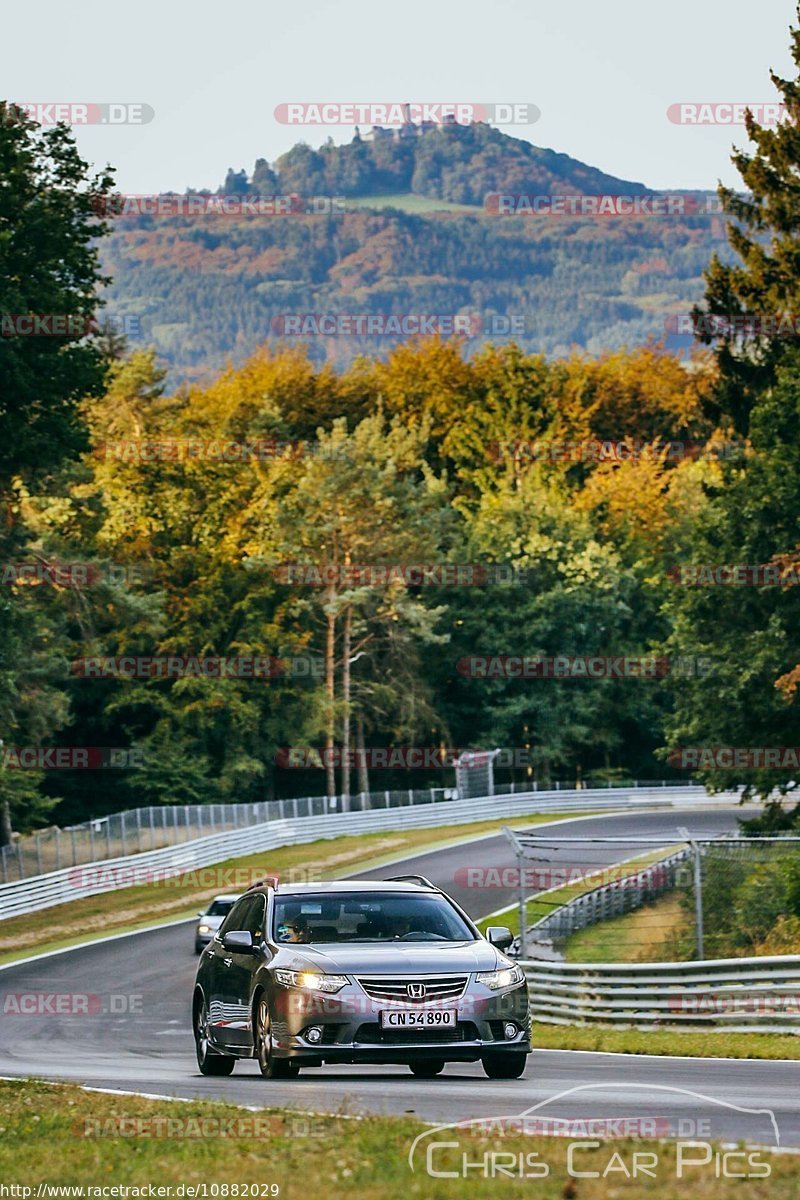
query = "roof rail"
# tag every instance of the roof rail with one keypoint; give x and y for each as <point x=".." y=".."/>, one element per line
<point x="269" y="881"/>
<point x="420" y="879"/>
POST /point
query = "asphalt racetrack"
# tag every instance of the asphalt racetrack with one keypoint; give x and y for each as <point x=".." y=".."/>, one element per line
<point x="136" y="1034"/>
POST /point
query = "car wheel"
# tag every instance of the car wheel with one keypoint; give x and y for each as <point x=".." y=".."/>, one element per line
<point x="270" y="1066"/>
<point x="199" y="947"/>
<point x="427" y="1068"/>
<point x="209" y="1062"/>
<point x="504" y="1066"/>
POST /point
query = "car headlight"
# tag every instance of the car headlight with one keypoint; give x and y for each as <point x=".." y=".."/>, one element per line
<point x="204" y="929"/>
<point x="503" y="978"/>
<point x="311" y="981"/>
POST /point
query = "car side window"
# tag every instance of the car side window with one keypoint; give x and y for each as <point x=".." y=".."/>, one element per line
<point x="237" y="918"/>
<point x="255" y="918"/>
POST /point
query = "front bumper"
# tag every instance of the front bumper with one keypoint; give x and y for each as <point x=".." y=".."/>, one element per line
<point x="350" y="1028"/>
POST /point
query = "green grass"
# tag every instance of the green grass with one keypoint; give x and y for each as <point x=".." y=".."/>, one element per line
<point x="411" y="203"/>
<point x="49" y="1135"/>
<point x="638" y="936"/>
<point x="694" y="1043"/>
<point x="543" y="904"/>
<point x="131" y="908"/>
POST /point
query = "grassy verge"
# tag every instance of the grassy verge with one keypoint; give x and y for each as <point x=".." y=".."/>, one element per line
<point x="638" y="936"/>
<point x="277" y="1153"/>
<point x="694" y="1043"/>
<point x="543" y="904"/>
<point x="146" y="904"/>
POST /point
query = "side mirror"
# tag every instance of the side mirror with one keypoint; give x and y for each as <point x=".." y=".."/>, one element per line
<point x="238" y="940"/>
<point x="499" y="936"/>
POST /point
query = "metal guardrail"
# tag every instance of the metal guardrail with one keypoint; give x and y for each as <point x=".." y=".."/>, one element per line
<point x="73" y="883"/>
<point x="742" y="994"/>
<point x="609" y="900"/>
<point x="138" y="829"/>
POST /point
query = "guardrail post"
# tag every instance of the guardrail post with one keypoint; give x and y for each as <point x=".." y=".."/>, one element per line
<point x="698" y="899"/>
<point x="124" y="837"/>
<point x="5" y="868"/>
<point x="58" y="849"/>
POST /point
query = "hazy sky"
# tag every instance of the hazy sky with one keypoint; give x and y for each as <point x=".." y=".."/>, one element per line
<point x="603" y="75"/>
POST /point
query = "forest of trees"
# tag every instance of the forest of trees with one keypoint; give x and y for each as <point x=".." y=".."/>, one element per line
<point x="208" y="291"/>
<point x="580" y="489"/>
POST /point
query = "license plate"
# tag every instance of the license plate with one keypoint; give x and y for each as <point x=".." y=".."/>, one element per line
<point x="419" y="1018"/>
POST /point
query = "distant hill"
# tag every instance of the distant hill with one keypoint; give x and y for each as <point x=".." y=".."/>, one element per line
<point x="409" y="235"/>
<point x="460" y="163"/>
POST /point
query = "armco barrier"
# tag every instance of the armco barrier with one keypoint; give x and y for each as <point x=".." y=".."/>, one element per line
<point x="610" y="899"/>
<point x="153" y="827"/>
<point x="73" y="883"/>
<point x="742" y="994"/>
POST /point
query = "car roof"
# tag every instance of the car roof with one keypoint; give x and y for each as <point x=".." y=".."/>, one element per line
<point x="370" y="886"/>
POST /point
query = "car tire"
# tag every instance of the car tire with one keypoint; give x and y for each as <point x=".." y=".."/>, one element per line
<point x="427" y="1068"/>
<point x="270" y="1066"/>
<point x="504" y="1066"/>
<point x="199" y="947"/>
<point x="208" y="1060"/>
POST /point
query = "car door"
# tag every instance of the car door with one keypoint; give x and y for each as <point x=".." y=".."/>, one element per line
<point x="229" y="1002"/>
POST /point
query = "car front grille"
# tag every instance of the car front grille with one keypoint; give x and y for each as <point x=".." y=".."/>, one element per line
<point x="372" y="1035"/>
<point x="437" y="987"/>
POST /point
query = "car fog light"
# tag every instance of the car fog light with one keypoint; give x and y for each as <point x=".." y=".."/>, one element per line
<point x="510" y="1029"/>
<point x="314" y="1034"/>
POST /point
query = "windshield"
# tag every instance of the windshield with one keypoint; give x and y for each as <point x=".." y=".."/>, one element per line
<point x="364" y="918"/>
<point x="219" y="908"/>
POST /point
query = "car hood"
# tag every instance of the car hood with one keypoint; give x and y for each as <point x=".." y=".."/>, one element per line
<point x="395" y="958"/>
